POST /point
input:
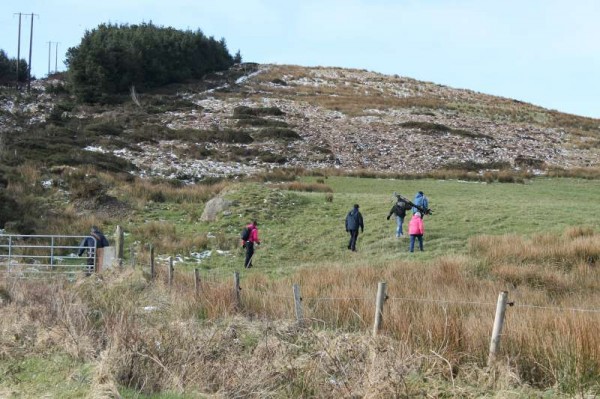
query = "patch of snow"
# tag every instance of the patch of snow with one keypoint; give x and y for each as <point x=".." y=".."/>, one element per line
<point x="201" y="255"/>
<point x="244" y="78"/>
<point x="95" y="149"/>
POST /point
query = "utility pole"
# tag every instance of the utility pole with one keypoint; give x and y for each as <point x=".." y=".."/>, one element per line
<point x="49" y="47"/>
<point x="50" y="57"/>
<point x="30" y="48"/>
<point x="18" y="49"/>
<point x="56" y="57"/>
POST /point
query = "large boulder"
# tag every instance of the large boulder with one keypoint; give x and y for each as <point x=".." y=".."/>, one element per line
<point x="214" y="207"/>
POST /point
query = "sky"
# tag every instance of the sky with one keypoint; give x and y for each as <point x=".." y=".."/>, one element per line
<point x="545" y="52"/>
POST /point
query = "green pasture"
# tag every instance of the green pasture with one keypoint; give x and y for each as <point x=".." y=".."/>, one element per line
<point x="301" y="229"/>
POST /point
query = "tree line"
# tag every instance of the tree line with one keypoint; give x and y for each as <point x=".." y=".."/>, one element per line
<point x="112" y="58"/>
<point x="8" y="69"/>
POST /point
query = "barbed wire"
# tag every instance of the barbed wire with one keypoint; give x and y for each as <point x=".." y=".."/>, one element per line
<point x="264" y="292"/>
<point x="441" y="301"/>
<point x="558" y="308"/>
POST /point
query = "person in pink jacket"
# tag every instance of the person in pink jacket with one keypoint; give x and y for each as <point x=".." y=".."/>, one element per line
<point x="249" y="244"/>
<point x="416" y="230"/>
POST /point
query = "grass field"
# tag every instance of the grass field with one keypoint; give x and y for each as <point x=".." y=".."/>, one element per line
<point x="303" y="229"/>
<point x="539" y="241"/>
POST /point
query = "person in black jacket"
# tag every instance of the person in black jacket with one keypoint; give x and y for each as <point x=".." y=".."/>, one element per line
<point x="94" y="244"/>
<point x="399" y="209"/>
<point x="354" y="221"/>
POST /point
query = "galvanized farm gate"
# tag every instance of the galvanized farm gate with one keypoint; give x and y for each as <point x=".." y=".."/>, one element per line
<point x="43" y="256"/>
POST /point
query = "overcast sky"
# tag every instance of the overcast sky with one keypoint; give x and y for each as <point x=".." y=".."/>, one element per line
<point x="546" y="52"/>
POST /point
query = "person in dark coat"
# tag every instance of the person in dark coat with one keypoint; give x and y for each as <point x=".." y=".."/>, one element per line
<point x="399" y="209"/>
<point x="94" y="245"/>
<point x="354" y="221"/>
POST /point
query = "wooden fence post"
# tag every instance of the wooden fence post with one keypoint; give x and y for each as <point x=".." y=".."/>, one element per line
<point x="171" y="271"/>
<point x="152" y="273"/>
<point x="197" y="281"/>
<point x="236" y="287"/>
<point x="298" y="305"/>
<point x="498" y="323"/>
<point x="132" y="254"/>
<point x="119" y="242"/>
<point x="379" y="307"/>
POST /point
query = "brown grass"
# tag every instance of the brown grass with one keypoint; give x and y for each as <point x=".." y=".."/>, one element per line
<point x="437" y="323"/>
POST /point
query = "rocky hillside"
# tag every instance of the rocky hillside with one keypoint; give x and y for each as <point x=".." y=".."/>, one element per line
<point x="264" y="116"/>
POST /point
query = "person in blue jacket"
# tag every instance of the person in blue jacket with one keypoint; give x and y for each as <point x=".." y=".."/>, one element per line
<point x="422" y="202"/>
<point x="354" y="221"/>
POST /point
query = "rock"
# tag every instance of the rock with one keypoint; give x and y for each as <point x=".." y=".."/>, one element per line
<point x="213" y="207"/>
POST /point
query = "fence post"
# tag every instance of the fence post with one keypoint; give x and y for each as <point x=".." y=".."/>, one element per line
<point x="152" y="262"/>
<point x="498" y="323"/>
<point x="197" y="281"/>
<point x="119" y="241"/>
<point x="379" y="307"/>
<point x="236" y="287"/>
<point x="52" y="253"/>
<point x="298" y="305"/>
<point x="171" y="271"/>
<point x="132" y="252"/>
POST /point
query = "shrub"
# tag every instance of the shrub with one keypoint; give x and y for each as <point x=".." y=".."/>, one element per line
<point x="475" y="166"/>
<point x="279" y="82"/>
<point x="243" y="111"/>
<point x="437" y="128"/>
<point x="278" y="134"/>
<point x="260" y="122"/>
<point x="107" y="128"/>
<point x="528" y="162"/>
<point x="271" y="157"/>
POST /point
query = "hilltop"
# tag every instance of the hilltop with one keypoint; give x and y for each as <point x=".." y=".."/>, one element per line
<point x="255" y="117"/>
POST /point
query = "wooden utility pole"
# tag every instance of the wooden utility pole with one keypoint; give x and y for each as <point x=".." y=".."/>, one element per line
<point x="30" y="49"/>
<point x="56" y="57"/>
<point x="49" y="54"/>
<point x="18" y="49"/>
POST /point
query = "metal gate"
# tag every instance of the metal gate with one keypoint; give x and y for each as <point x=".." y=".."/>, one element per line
<point x="43" y="256"/>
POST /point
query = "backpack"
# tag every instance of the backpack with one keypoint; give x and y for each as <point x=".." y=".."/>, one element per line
<point x="245" y="233"/>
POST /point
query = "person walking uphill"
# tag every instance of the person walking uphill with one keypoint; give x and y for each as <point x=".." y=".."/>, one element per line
<point x="399" y="209"/>
<point x="421" y="202"/>
<point x="416" y="229"/>
<point x="354" y="221"/>
<point x="94" y="244"/>
<point x="249" y="238"/>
